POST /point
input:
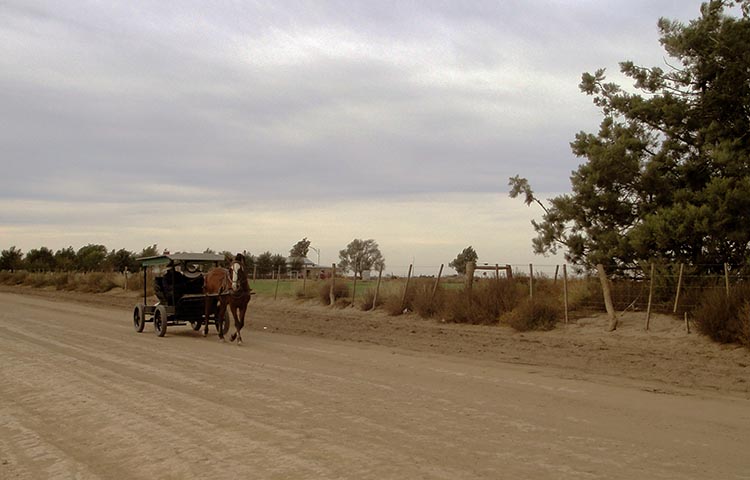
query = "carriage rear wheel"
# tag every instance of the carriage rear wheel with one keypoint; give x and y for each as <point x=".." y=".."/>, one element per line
<point x="160" y="321"/>
<point x="224" y="324"/>
<point x="138" y="320"/>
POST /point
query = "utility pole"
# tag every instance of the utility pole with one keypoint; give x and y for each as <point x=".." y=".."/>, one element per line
<point x="317" y="250"/>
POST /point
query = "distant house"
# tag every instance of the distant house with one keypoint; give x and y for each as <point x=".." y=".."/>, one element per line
<point x="303" y="267"/>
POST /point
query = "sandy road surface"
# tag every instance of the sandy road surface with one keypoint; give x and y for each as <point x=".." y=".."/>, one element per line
<point x="84" y="396"/>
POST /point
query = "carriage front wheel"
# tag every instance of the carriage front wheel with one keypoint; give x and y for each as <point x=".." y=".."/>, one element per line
<point x="196" y="324"/>
<point x="160" y="321"/>
<point x="138" y="320"/>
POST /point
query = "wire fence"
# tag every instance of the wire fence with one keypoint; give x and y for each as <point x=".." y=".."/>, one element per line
<point x="664" y="288"/>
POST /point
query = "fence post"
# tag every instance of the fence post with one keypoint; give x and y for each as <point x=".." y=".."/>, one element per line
<point x="377" y="289"/>
<point x="278" y="279"/>
<point x="406" y="288"/>
<point x="331" y="295"/>
<point x="650" y="296"/>
<point x="726" y="277"/>
<point x="557" y="270"/>
<point x="469" y="276"/>
<point x="437" y="282"/>
<point x="565" y="291"/>
<point x="607" y="297"/>
<point x="509" y="271"/>
<point x="304" y="283"/>
<point x="679" y="286"/>
<point x="255" y="272"/>
<point x="531" y="281"/>
<point x="354" y="287"/>
<point x="687" y="324"/>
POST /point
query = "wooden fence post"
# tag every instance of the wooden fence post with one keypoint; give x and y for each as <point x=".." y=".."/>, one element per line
<point x="377" y="289"/>
<point x="679" y="287"/>
<point x="726" y="277"/>
<point x="406" y="288"/>
<point x="304" y="284"/>
<point x="354" y="287"/>
<point x="469" y="277"/>
<point x="255" y="272"/>
<point x="607" y="297"/>
<point x="531" y="281"/>
<point x="687" y="324"/>
<point x="565" y="291"/>
<point x="557" y="270"/>
<point x="278" y="279"/>
<point x="650" y="296"/>
<point x="435" y="287"/>
<point x="509" y="271"/>
<point x="331" y="295"/>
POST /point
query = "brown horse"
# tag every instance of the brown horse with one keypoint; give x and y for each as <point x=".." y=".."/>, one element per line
<point x="239" y="297"/>
<point x="234" y="292"/>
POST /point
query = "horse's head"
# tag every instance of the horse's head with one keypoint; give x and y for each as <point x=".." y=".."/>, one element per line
<point x="238" y="272"/>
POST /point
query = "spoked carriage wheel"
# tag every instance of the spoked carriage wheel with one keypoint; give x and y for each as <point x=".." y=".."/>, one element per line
<point x="196" y="324"/>
<point x="138" y="320"/>
<point x="160" y="321"/>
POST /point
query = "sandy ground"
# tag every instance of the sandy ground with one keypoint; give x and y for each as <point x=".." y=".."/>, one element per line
<point x="322" y="393"/>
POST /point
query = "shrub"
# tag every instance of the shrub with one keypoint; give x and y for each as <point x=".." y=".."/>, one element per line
<point x="40" y="280"/>
<point x="15" y="278"/>
<point x="65" y="281"/>
<point x="461" y="308"/>
<point x="393" y="304"/>
<point x="585" y="293"/>
<point x="417" y="299"/>
<point x="423" y="302"/>
<point x="722" y="317"/>
<point x="340" y="290"/>
<point x="541" y="313"/>
<point x="488" y="300"/>
<point x="745" y="330"/>
<point x="310" y="290"/>
<point x="368" y="298"/>
<point x="97" y="282"/>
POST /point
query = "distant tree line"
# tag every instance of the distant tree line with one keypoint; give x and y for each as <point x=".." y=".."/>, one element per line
<point x="89" y="258"/>
<point x="358" y="256"/>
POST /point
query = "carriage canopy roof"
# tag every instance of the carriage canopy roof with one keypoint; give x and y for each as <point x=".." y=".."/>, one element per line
<point x="180" y="257"/>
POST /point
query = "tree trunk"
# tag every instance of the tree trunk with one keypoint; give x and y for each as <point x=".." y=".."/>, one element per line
<point x="607" y="297"/>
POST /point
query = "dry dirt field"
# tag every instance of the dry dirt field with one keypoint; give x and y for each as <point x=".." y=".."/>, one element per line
<point x="320" y="393"/>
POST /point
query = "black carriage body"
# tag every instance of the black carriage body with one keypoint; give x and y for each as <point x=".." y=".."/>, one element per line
<point x="179" y="289"/>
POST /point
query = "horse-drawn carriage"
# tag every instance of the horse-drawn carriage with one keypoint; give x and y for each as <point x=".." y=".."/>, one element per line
<point x="178" y="285"/>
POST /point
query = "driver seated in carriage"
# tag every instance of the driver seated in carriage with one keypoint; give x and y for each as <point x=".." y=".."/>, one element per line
<point x="178" y="280"/>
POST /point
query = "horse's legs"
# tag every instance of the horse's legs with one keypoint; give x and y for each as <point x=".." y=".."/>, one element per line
<point x="235" y="310"/>
<point x="207" y="312"/>
<point x="220" y="318"/>
<point x="239" y="322"/>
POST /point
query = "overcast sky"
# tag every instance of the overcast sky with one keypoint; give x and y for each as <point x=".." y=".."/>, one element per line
<point x="247" y="125"/>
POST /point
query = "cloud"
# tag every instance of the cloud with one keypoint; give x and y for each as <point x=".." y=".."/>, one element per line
<point x="424" y="229"/>
<point x="188" y="104"/>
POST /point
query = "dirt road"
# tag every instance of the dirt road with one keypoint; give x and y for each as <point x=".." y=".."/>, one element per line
<point x="84" y="396"/>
